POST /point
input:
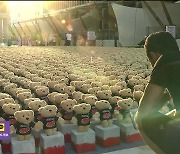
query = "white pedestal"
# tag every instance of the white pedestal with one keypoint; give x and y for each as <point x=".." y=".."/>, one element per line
<point x="83" y="141"/>
<point x="25" y="146"/>
<point x="52" y="144"/>
<point x="36" y="136"/>
<point x="107" y="137"/>
<point x="66" y="130"/>
<point x="129" y="133"/>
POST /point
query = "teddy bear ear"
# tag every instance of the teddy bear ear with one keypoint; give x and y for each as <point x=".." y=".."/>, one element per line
<point x="16" y="114"/>
<point x="44" y="102"/>
<point x="40" y="109"/>
<point x="4" y="106"/>
<point x="19" y="107"/>
<point x="74" y="101"/>
<point x="75" y="108"/>
<point x="32" y="112"/>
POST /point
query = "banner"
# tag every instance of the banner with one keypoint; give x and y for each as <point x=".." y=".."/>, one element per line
<point x="5" y="130"/>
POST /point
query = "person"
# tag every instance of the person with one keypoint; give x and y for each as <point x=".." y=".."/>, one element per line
<point x="159" y="131"/>
<point x="84" y="38"/>
<point x="74" y="35"/>
<point x="68" y="39"/>
<point x="54" y="40"/>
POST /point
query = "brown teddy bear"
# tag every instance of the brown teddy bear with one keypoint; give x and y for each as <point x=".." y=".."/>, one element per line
<point x="22" y="96"/>
<point x="94" y="90"/>
<point x="58" y="99"/>
<point x="137" y="96"/>
<point x="125" y="105"/>
<point x="78" y="96"/>
<point x="125" y="93"/>
<point x="5" y="101"/>
<point x="104" y="94"/>
<point x="9" y="110"/>
<point x="51" y="85"/>
<point x="105" y="112"/>
<point x="51" y="98"/>
<point x="115" y="90"/>
<point x="50" y="119"/>
<point x="41" y="92"/>
<point x="69" y="90"/>
<point x="82" y="116"/>
<point x="24" y="124"/>
<point x="28" y="100"/>
<point x="85" y="88"/>
<point x="91" y="100"/>
<point x="60" y="87"/>
<point x="67" y="111"/>
<point x="35" y="105"/>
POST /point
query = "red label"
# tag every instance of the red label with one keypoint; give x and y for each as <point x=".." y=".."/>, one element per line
<point x="68" y="116"/>
<point x="94" y="111"/>
<point x="24" y="130"/>
<point x="39" y="117"/>
<point x="85" y="120"/>
<point x="106" y="115"/>
<point x="50" y="124"/>
<point x="13" y="121"/>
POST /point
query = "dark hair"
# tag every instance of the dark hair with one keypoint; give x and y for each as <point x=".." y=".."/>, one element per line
<point x="161" y="42"/>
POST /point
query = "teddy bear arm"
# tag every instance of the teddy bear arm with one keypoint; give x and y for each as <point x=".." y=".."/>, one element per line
<point x="12" y="129"/>
<point x="74" y="120"/>
<point x="38" y="126"/>
<point x="59" y="114"/>
<point x="97" y="115"/>
<point x="61" y="121"/>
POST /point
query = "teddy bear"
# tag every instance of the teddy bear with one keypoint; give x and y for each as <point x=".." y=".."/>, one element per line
<point x="115" y="90"/>
<point x="51" y="98"/>
<point x="138" y="88"/>
<point x="96" y="84"/>
<point x="60" y="87"/>
<point x="131" y="83"/>
<point x="27" y="101"/>
<point x="82" y="116"/>
<point x="94" y="90"/>
<point x="33" y="85"/>
<point x="105" y="87"/>
<point x="85" y="88"/>
<point x="41" y="92"/>
<point x="58" y="99"/>
<point x="35" y="105"/>
<point x="91" y="100"/>
<point x="125" y="105"/>
<point x="122" y="84"/>
<point x="78" y="96"/>
<point x="125" y="93"/>
<point x="115" y="109"/>
<point x="104" y="94"/>
<point x="67" y="112"/>
<point x="50" y="119"/>
<point x="104" y="112"/>
<point x="5" y="101"/>
<point x="137" y="96"/>
<point x="9" y="110"/>
<point x="69" y="90"/>
<point x="24" y="124"/>
<point x="78" y="85"/>
<point x="21" y="97"/>
<point x="9" y="88"/>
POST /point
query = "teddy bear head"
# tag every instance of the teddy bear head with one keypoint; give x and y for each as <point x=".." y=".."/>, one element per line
<point x="33" y="85"/>
<point x="60" y="87"/>
<point x="78" y="96"/>
<point x="104" y="94"/>
<point x="11" y="108"/>
<point x="132" y="82"/>
<point x="24" y="116"/>
<point x="7" y="101"/>
<point x="69" y="90"/>
<point x="85" y="88"/>
<point x="68" y="104"/>
<point x="44" y="82"/>
<point x="122" y="84"/>
<point x="137" y="95"/>
<point x="28" y="100"/>
<point x="36" y="104"/>
<point x="115" y="90"/>
<point x="42" y="91"/>
<point x="94" y="90"/>
<point x="9" y="87"/>
<point x="48" y="111"/>
<point x="125" y="104"/>
<point x="24" y="95"/>
<point x="90" y="100"/>
<point x="60" y="97"/>
<point x="96" y="84"/>
<point x="138" y="88"/>
<point x="102" y="104"/>
<point x="114" y="99"/>
<point x="4" y="95"/>
<point x="82" y="108"/>
<point x="51" y="84"/>
<point x="105" y="87"/>
<point x="125" y="93"/>
<point x="51" y="97"/>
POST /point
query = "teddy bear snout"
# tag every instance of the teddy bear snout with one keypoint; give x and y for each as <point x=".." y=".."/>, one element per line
<point x="27" y="118"/>
<point x="50" y="110"/>
<point x="84" y="108"/>
<point x="14" y="108"/>
<point x="70" y="108"/>
<point x="39" y="106"/>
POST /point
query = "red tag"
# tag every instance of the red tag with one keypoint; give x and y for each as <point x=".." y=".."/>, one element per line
<point x="39" y="117"/>
<point x="24" y="130"/>
<point x="50" y="124"/>
<point x="106" y="115"/>
<point x="68" y="116"/>
<point x="13" y="121"/>
<point x="85" y="120"/>
<point x="94" y="111"/>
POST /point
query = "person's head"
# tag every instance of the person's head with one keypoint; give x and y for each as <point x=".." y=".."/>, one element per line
<point x="158" y="43"/>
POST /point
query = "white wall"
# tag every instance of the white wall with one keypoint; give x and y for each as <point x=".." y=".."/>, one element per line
<point x="131" y="24"/>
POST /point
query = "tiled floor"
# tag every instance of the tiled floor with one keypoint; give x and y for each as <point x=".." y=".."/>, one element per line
<point x="136" y="150"/>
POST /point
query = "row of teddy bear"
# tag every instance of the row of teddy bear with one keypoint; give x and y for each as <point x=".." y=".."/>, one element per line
<point x="55" y="92"/>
